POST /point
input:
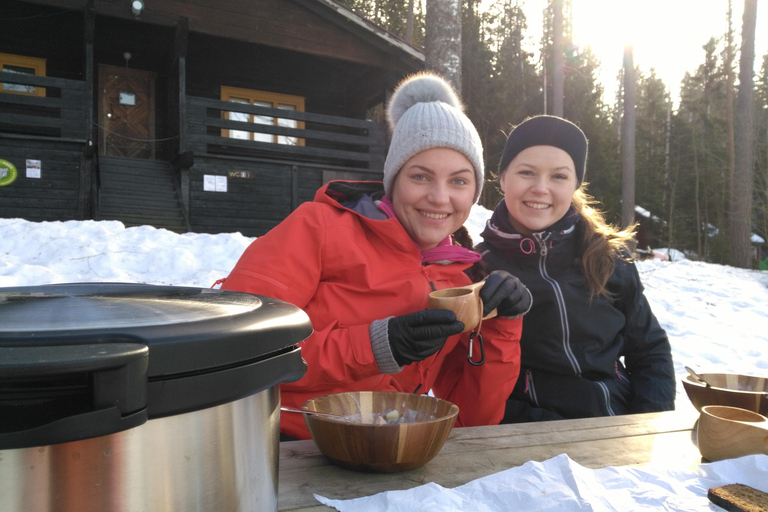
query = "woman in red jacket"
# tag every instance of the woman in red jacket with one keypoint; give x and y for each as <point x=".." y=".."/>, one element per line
<point x="362" y="257"/>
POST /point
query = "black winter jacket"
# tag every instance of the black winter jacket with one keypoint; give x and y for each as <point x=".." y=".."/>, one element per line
<point x="582" y="356"/>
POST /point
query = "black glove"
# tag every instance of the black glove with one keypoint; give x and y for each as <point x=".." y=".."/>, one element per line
<point x="418" y="335"/>
<point x="504" y="292"/>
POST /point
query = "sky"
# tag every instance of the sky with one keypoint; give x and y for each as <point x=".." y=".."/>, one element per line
<point x="666" y="35"/>
<point x="715" y="316"/>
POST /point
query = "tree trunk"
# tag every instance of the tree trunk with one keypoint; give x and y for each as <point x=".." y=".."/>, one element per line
<point x="442" y="46"/>
<point x="697" y="197"/>
<point x="628" y="142"/>
<point x="729" y="108"/>
<point x="558" y="58"/>
<point x="667" y="137"/>
<point x="744" y="141"/>
<point x="409" y="24"/>
<point x="544" y="75"/>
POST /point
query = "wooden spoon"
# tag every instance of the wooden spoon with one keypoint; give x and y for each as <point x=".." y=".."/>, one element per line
<point x="698" y="377"/>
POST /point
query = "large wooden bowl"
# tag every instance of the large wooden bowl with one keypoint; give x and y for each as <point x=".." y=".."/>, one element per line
<point x="731" y="389"/>
<point x="355" y="442"/>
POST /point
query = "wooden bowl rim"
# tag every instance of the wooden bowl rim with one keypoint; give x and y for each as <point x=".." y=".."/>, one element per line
<point x="712" y="409"/>
<point x="689" y="379"/>
<point x="452" y="412"/>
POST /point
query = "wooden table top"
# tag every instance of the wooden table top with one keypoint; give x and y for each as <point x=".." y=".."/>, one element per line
<point x="475" y="452"/>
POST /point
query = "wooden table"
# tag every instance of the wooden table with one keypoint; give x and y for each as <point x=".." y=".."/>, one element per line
<point x="475" y="452"/>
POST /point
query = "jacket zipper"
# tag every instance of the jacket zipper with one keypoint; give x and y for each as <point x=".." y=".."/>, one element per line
<point x="607" y="396"/>
<point x="566" y="333"/>
<point x="530" y="390"/>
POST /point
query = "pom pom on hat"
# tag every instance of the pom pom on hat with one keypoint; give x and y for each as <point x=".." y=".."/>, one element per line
<point x="423" y="113"/>
<point x="548" y="131"/>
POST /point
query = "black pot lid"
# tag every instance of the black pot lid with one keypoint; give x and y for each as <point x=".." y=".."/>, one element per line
<point x="90" y="359"/>
<point x="186" y="329"/>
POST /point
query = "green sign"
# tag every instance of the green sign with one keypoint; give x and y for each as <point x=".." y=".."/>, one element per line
<point x="8" y="173"/>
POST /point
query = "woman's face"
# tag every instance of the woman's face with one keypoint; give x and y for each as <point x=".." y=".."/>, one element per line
<point x="433" y="194"/>
<point x="538" y="185"/>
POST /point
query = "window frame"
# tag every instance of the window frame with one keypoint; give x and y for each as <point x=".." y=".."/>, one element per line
<point x="23" y="61"/>
<point x="253" y="95"/>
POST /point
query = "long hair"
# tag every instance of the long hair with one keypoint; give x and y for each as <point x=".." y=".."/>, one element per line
<point x="478" y="270"/>
<point x="601" y="243"/>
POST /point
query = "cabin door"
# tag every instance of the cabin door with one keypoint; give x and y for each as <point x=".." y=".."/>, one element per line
<point x="126" y="112"/>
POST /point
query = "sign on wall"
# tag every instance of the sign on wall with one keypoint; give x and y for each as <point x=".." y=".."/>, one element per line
<point x="33" y="168"/>
<point x="8" y="173"/>
<point x="213" y="183"/>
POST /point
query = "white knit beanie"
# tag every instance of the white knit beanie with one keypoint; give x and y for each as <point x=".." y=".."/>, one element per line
<point x="425" y="112"/>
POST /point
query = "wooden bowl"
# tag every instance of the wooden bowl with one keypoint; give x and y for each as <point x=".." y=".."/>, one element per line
<point x="731" y="389"/>
<point x="354" y="441"/>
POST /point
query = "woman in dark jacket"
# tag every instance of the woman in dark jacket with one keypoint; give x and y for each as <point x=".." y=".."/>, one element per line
<point x="590" y="345"/>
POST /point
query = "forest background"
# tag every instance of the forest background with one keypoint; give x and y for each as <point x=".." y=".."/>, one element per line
<point x="681" y="147"/>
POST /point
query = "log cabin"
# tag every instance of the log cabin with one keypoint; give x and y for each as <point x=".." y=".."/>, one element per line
<point x="188" y="115"/>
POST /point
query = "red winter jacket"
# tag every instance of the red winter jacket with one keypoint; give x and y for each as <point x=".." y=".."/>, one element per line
<point x="345" y="271"/>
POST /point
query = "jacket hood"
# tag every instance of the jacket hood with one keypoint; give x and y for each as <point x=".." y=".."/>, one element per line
<point x="350" y="194"/>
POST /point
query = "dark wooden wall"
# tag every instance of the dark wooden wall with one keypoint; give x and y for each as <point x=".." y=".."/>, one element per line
<point x="294" y="47"/>
<point x="55" y="196"/>
<point x="253" y="204"/>
<point x="51" y="33"/>
<point x="329" y="86"/>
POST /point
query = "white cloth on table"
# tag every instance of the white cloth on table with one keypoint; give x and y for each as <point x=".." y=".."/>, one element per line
<point x="561" y="485"/>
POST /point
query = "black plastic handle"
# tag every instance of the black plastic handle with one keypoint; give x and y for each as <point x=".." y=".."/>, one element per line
<point x="58" y="394"/>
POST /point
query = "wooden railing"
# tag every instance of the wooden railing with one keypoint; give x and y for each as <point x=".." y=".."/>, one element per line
<point x="335" y="140"/>
<point x="60" y="113"/>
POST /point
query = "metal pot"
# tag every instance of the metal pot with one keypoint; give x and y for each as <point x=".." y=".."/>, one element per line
<point x="127" y="397"/>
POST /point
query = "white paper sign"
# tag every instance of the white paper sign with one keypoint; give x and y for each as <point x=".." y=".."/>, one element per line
<point x="127" y="98"/>
<point x="221" y="183"/>
<point x="33" y="168"/>
<point x="209" y="183"/>
<point x="213" y="183"/>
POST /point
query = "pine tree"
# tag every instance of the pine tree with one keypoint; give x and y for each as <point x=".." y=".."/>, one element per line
<point x="744" y="133"/>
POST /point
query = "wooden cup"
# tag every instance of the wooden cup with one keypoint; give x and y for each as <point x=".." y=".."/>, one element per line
<point x="729" y="432"/>
<point x="464" y="301"/>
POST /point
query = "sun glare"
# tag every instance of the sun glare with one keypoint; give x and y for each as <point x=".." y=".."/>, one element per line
<point x="666" y="36"/>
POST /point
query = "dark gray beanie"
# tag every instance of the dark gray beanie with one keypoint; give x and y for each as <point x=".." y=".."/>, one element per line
<point x="548" y="131"/>
<point x="423" y="113"/>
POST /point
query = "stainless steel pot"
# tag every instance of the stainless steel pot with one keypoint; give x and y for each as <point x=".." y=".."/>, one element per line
<point x="211" y="398"/>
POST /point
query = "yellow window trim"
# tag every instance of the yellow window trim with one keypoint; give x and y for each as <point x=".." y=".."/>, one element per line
<point x="263" y="96"/>
<point x="22" y="61"/>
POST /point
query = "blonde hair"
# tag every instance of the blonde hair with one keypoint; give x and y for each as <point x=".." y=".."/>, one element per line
<point x="601" y="243"/>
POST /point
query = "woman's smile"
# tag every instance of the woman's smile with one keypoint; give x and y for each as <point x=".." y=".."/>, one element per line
<point x="433" y="194"/>
<point x="538" y="186"/>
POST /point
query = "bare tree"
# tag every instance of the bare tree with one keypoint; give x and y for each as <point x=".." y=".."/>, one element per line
<point x="744" y="142"/>
<point x="667" y="180"/>
<point x="442" y="46"/>
<point x="558" y="60"/>
<point x="628" y="142"/>
<point x="729" y="106"/>
<point x="409" y="24"/>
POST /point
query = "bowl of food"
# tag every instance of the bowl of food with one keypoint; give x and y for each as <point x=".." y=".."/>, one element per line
<point x="731" y="389"/>
<point x="382" y="431"/>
